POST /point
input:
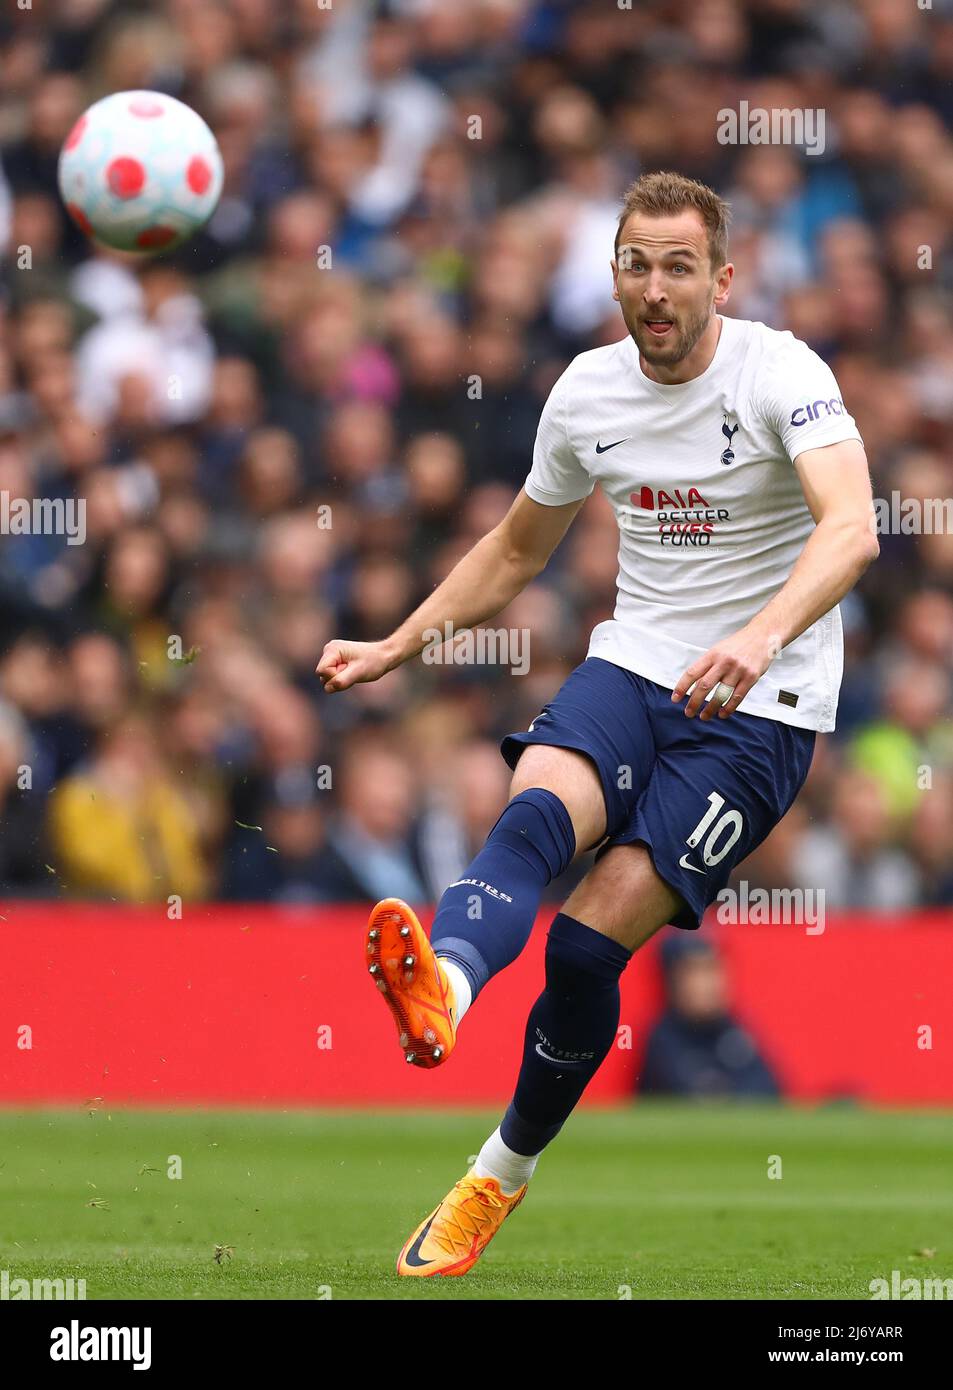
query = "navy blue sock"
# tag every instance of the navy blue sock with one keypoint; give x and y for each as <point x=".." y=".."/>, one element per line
<point x="483" y="920"/>
<point x="570" y="1029"/>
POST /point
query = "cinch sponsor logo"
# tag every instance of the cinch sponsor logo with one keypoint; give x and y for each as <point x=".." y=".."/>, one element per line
<point x="684" y="516"/>
<point x="835" y="406"/>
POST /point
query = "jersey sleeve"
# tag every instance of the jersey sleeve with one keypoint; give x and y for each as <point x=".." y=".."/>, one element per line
<point x="556" y="476"/>
<point x="801" y="401"/>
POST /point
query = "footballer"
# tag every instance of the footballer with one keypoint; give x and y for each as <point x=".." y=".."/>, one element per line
<point x="742" y="492"/>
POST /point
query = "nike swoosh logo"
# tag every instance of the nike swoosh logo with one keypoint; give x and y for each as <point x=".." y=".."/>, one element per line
<point x="602" y="448"/>
<point x="685" y="865"/>
<point x="414" y="1251"/>
<point x="557" y="1061"/>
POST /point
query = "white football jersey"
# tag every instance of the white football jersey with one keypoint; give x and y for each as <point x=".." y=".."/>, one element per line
<point x="711" y="513"/>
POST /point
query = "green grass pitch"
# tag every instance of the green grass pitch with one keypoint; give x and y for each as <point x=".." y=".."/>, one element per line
<point x="665" y="1201"/>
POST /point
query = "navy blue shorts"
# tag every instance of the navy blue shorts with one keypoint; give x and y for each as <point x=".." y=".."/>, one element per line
<point x="699" y="796"/>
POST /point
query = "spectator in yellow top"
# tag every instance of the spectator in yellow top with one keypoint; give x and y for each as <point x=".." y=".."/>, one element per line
<point x="120" y="829"/>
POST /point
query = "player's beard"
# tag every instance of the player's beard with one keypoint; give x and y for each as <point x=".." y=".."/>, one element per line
<point x="678" y="342"/>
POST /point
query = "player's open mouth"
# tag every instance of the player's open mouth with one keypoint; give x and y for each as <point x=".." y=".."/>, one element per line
<point x="659" y="326"/>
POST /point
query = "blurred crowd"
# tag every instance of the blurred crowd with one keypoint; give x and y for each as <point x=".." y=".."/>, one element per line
<point x="290" y="429"/>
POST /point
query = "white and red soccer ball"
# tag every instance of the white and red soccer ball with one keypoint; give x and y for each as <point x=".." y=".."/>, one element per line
<point x="140" y="171"/>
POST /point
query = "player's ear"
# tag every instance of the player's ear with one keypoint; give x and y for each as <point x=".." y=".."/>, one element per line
<point x="723" y="284"/>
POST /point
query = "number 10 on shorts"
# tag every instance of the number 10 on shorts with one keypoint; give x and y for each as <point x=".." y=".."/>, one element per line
<point x="730" y="823"/>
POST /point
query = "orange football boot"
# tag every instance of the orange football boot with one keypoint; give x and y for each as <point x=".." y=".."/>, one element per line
<point x="454" y="1236"/>
<point x="412" y="982"/>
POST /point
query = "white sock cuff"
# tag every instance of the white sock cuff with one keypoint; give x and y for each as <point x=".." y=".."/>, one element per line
<point x="462" y="994"/>
<point x="511" y="1170"/>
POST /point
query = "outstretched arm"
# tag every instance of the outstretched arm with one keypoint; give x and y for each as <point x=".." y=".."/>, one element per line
<point x="836" y="484"/>
<point x="487" y="578"/>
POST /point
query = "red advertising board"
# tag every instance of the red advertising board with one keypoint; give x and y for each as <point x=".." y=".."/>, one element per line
<point x="249" y="1005"/>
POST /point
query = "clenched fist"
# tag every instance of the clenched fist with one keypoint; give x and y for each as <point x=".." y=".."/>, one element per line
<point x="344" y="664"/>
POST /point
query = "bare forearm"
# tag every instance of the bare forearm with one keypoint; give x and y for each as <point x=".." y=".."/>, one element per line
<point x="828" y="567"/>
<point x="479" y="586"/>
<point x="491" y="574"/>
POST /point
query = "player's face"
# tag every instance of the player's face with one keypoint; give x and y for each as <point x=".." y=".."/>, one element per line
<point x="666" y="285"/>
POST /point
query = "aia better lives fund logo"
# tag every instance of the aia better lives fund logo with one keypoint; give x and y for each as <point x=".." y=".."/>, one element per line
<point x="685" y="517"/>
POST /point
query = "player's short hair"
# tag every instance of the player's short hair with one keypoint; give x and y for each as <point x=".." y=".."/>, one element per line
<point x="664" y="194"/>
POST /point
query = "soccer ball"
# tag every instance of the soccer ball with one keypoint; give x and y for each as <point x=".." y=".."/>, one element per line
<point x="140" y="171"/>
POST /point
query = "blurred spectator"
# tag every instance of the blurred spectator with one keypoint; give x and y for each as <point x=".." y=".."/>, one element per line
<point x="931" y="842"/>
<point x="852" y="859"/>
<point x="120" y="829"/>
<point x="697" y="1048"/>
<point x="6" y="213"/>
<point x="374" y="832"/>
<point x="902" y="750"/>
<point x="22" y="843"/>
